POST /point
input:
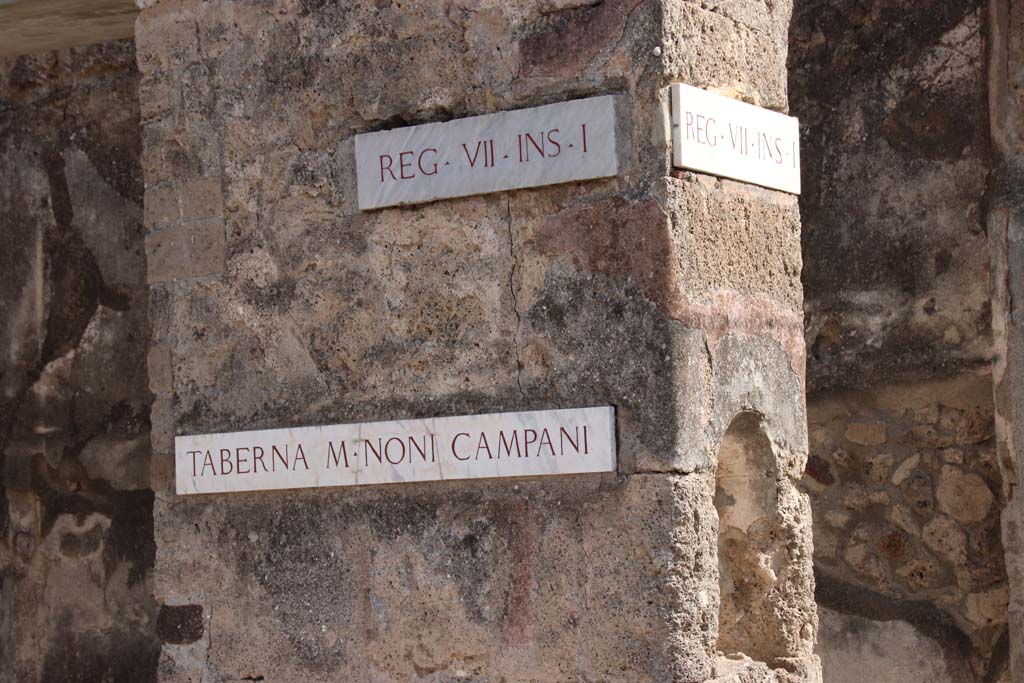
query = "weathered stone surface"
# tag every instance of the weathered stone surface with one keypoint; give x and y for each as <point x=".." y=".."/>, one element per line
<point x="709" y="47"/>
<point x="123" y="462"/>
<point x="820" y="470"/>
<point x="866" y="433"/>
<point x="965" y="497"/>
<point x="568" y="42"/>
<point x="622" y="291"/>
<point x="503" y="570"/>
<point x="1004" y="230"/>
<point x="180" y="624"/>
<point x="762" y="570"/>
<point x="714" y="221"/>
<point x="895" y="162"/>
<point x="923" y="529"/>
<point x="905" y="469"/>
<point x="946" y="538"/>
<point x="77" y="549"/>
<point x="904" y="298"/>
<point x="866" y="650"/>
<point x="988" y="608"/>
<point x="921" y="574"/>
<point x="876" y="466"/>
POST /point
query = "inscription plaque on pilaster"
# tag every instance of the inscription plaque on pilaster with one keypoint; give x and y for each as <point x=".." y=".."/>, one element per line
<point x="555" y="143"/>
<point x="537" y="443"/>
<point x="725" y="137"/>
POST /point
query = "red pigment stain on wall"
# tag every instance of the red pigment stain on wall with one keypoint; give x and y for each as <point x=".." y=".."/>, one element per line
<point x="524" y="544"/>
<point x="613" y="237"/>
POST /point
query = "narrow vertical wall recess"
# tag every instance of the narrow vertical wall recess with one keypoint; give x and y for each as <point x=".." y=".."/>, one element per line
<point x="749" y="552"/>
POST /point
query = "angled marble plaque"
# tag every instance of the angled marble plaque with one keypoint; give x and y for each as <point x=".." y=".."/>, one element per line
<point x="573" y="441"/>
<point x="556" y="143"/>
<point x="722" y="136"/>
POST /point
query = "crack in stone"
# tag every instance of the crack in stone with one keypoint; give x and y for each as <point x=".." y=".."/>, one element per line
<point x="199" y="40"/>
<point x="717" y="11"/>
<point x="515" y="299"/>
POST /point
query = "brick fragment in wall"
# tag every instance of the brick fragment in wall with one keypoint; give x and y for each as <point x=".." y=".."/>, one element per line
<point x="820" y="470"/>
<point x="866" y="433"/>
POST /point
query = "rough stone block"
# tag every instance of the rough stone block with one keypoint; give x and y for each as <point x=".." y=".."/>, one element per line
<point x="708" y="49"/>
<point x="965" y="497"/>
<point x="207" y="248"/>
<point x="167" y="251"/>
<point x="160" y="375"/>
<point x="570" y="43"/>
<point x="162" y="207"/>
<point x="530" y="580"/>
<point x="947" y="539"/>
<point x="166" y="36"/>
<point x="157" y="99"/>
<point x="770" y="20"/>
<point x="735" y="237"/>
<point x="187" y="250"/>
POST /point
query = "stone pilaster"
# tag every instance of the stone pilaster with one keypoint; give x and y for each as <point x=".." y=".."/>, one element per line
<point x="275" y="302"/>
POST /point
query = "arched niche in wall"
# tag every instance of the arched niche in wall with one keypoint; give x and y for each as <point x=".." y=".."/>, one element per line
<point x="751" y="548"/>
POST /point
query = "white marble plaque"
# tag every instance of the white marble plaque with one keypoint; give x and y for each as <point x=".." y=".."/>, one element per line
<point x="556" y="143"/>
<point x="573" y="441"/>
<point x="725" y="137"/>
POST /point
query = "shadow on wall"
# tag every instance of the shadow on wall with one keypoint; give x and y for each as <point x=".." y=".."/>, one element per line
<point x="902" y="473"/>
<point x="76" y="510"/>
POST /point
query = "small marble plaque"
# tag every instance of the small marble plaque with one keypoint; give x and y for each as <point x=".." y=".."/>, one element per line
<point x="725" y="137"/>
<point x="556" y="143"/>
<point x="572" y="441"/>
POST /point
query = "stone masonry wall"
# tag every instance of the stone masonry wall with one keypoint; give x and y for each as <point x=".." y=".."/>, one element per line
<point x="1005" y="39"/>
<point x="275" y="302"/>
<point x="76" y="525"/>
<point x="905" y="484"/>
<point x="892" y="102"/>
